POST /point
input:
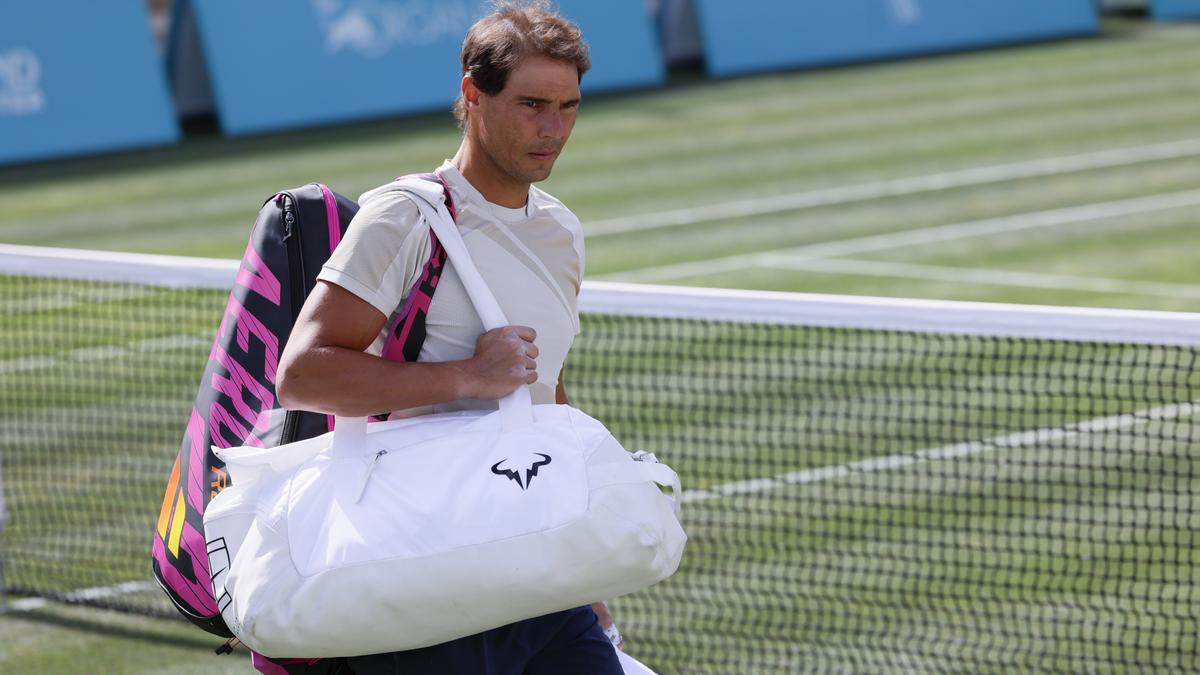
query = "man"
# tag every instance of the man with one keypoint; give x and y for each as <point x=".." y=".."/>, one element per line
<point x="521" y="66"/>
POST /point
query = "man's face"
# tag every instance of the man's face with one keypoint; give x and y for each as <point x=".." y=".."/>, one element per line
<point x="524" y="127"/>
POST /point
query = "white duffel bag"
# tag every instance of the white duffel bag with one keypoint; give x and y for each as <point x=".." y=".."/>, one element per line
<point x="408" y="533"/>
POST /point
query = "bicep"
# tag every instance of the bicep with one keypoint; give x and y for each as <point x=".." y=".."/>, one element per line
<point x="377" y="259"/>
<point x="335" y="317"/>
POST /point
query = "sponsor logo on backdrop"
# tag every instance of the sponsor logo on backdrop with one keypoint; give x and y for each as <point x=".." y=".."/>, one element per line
<point x="20" y="83"/>
<point x="905" y="12"/>
<point x="372" y="28"/>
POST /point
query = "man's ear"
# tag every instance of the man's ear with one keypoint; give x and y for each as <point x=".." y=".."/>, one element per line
<point x="470" y="92"/>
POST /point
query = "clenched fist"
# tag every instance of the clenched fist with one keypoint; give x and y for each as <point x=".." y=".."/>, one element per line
<point x="505" y="358"/>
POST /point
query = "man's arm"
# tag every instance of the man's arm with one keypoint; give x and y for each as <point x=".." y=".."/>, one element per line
<point x="560" y="392"/>
<point x="324" y="368"/>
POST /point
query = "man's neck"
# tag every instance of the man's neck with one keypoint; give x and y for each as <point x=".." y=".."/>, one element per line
<point x="481" y="172"/>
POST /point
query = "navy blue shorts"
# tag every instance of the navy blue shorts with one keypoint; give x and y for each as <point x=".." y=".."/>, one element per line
<point x="564" y="642"/>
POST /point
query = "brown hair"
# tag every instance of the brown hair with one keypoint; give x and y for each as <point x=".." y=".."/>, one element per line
<point x="498" y="42"/>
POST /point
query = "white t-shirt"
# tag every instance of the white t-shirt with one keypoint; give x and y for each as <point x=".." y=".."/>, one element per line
<point x="532" y="259"/>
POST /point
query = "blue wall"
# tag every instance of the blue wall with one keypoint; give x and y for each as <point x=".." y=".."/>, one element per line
<point x="84" y="77"/>
<point x="754" y="35"/>
<point x="277" y="64"/>
<point x="1175" y="9"/>
<point x="80" y="77"/>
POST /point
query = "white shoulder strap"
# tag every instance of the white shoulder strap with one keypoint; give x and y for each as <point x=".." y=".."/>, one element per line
<point x="517" y="407"/>
<point x="434" y="211"/>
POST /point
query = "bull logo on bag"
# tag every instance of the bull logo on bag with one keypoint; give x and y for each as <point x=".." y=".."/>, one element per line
<point x="530" y="472"/>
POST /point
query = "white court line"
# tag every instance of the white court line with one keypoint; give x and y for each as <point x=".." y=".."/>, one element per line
<point x="897" y="187"/>
<point x="81" y="595"/>
<point x="58" y="302"/>
<point x="104" y="352"/>
<point x="1021" y="439"/>
<point x="23" y="605"/>
<point x="925" y="235"/>
<point x="1018" y="279"/>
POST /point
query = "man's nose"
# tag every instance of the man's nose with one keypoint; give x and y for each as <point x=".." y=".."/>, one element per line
<point x="551" y="124"/>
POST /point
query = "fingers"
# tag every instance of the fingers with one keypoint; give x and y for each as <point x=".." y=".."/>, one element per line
<point x="524" y="332"/>
<point x="528" y="351"/>
<point x="505" y="358"/>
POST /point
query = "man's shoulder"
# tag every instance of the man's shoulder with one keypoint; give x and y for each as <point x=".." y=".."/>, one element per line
<point x="390" y="203"/>
<point x="548" y="204"/>
<point x="389" y="191"/>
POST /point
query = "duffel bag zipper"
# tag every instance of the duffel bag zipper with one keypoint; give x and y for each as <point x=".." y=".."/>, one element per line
<point x="362" y="487"/>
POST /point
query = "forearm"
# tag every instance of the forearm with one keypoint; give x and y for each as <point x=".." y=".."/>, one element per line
<point x="604" y="618"/>
<point x="342" y="381"/>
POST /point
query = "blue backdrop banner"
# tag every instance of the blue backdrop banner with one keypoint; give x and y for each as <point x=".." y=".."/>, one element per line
<point x="276" y="64"/>
<point x="79" y="77"/>
<point x="1175" y="9"/>
<point x="755" y="35"/>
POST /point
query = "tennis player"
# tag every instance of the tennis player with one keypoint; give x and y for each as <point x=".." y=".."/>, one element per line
<point x="521" y="69"/>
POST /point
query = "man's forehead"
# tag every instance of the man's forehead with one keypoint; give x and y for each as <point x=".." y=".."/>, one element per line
<point x="546" y="78"/>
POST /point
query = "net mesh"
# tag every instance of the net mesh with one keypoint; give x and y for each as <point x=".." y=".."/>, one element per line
<point x="857" y="500"/>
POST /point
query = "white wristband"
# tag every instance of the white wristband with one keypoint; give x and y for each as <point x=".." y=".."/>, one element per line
<point x="613" y="635"/>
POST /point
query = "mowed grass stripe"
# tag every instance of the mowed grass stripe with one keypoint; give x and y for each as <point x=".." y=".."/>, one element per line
<point x="612" y="256"/>
<point x="899" y="84"/>
<point x="920" y="237"/>
<point x="1148" y="249"/>
<point x="795" y="124"/>
<point x="61" y="638"/>
<point x="787" y="167"/>
<point x="1148" y="258"/>
<point x="899" y="187"/>
<point x="976" y="275"/>
<point x="751" y="120"/>
<point x="776" y="279"/>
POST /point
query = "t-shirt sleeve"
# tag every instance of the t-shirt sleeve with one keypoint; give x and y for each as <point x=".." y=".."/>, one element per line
<point x="578" y="239"/>
<point x="382" y="253"/>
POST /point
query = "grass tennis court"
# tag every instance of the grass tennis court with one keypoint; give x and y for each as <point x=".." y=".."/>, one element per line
<point x="990" y="531"/>
<point x="1108" y="218"/>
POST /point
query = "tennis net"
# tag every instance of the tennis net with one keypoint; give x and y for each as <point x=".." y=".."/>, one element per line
<point x="871" y="485"/>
